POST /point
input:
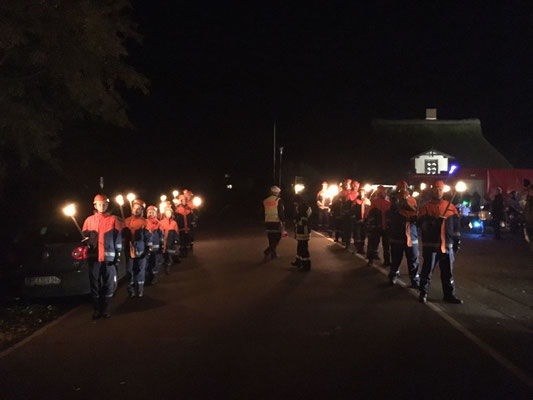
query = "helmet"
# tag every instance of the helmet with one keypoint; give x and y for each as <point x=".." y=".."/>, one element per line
<point x="151" y="208"/>
<point x="139" y="202"/>
<point x="100" y="197"/>
<point x="401" y="184"/>
<point x="182" y="197"/>
<point x="439" y="184"/>
<point x="275" y="189"/>
<point x="324" y="183"/>
<point x="355" y="183"/>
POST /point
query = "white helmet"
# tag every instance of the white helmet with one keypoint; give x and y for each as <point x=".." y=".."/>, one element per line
<point x="275" y="189"/>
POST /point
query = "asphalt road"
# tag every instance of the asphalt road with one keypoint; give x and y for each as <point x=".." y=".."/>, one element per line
<point x="224" y="324"/>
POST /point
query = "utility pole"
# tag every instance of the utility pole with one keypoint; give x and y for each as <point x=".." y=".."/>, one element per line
<point x="274" y="155"/>
<point x="280" y="158"/>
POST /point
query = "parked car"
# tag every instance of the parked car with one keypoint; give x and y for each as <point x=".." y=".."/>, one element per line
<point x="52" y="260"/>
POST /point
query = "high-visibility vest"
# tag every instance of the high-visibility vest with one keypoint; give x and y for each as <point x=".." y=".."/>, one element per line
<point x="271" y="209"/>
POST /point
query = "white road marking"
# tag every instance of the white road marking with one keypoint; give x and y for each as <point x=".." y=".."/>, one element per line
<point x="501" y="359"/>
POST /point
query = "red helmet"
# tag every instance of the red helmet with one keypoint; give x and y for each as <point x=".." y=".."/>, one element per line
<point x="438" y="184"/>
<point x="401" y="184"/>
<point x="100" y="197"/>
<point x="151" y="208"/>
<point x="139" y="202"/>
<point x="324" y="183"/>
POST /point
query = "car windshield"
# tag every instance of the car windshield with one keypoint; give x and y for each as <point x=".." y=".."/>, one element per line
<point x="61" y="231"/>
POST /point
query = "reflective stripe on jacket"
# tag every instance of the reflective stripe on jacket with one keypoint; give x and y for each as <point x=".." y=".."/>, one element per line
<point x="170" y="235"/>
<point x="271" y="209"/>
<point x="105" y="239"/>
<point x="439" y="230"/>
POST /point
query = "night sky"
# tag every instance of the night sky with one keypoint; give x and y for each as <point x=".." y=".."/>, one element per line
<point x="222" y="74"/>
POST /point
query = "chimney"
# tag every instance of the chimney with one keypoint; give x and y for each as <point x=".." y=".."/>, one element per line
<point x="431" y="114"/>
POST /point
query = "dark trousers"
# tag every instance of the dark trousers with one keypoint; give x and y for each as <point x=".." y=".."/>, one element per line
<point x="359" y="235"/>
<point x="303" y="258"/>
<point x="337" y="222"/>
<point x="445" y="260"/>
<point x="185" y="242"/>
<point x="137" y="271"/>
<point x="273" y="241"/>
<point x="323" y="219"/>
<point x="411" y="254"/>
<point x="103" y="281"/>
<point x="373" y="243"/>
<point x="347" y="223"/>
<point x="497" y="227"/>
<point x="154" y="264"/>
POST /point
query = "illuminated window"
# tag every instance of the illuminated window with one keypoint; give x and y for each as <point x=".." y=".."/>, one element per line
<point x="431" y="167"/>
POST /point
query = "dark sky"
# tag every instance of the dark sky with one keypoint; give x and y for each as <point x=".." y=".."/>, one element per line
<point x="221" y="74"/>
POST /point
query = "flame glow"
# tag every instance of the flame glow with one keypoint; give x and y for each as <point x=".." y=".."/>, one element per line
<point x="175" y="193"/>
<point x="423" y="186"/>
<point x="163" y="197"/>
<point x="416" y="194"/>
<point x="460" y="186"/>
<point x="298" y="188"/>
<point x="120" y="200"/>
<point x="332" y="191"/>
<point x="368" y="187"/>
<point x="70" y="210"/>
<point x="197" y="201"/>
<point x="130" y="197"/>
<point x="446" y="188"/>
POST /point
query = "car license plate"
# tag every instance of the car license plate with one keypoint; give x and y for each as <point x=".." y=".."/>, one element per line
<point x="42" y="281"/>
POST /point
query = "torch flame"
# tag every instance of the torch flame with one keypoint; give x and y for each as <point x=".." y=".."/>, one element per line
<point x="298" y="188"/>
<point x="367" y="188"/>
<point x="416" y="194"/>
<point x="332" y="191"/>
<point x="120" y="200"/>
<point x="130" y="197"/>
<point x="175" y="193"/>
<point x="423" y="186"/>
<point x="163" y="197"/>
<point x="197" y="201"/>
<point x="70" y="210"/>
<point x="460" y="186"/>
<point x="446" y="188"/>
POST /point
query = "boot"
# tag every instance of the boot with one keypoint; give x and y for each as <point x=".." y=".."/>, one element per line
<point x="423" y="298"/>
<point x="452" y="299"/>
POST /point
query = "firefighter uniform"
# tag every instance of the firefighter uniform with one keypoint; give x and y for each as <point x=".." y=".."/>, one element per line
<point x="346" y="212"/>
<point x="403" y="236"/>
<point x="274" y="219"/>
<point x="155" y="258"/>
<point x="302" y="232"/>
<point x="323" y="202"/>
<point x="185" y="219"/>
<point x="377" y="227"/>
<point x="359" y="210"/>
<point x="170" y="238"/>
<point x="440" y="228"/>
<point x="336" y="218"/>
<point x="138" y="244"/>
<point x="104" y="246"/>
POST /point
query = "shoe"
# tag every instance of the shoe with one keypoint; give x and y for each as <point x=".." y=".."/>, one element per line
<point x="106" y="315"/>
<point x="96" y="315"/>
<point x="141" y="294"/>
<point x="132" y="295"/>
<point x="154" y="280"/>
<point x="452" y="300"/>
<point x="415" y="285"/>
<point x="296" y="263"/>
<point x="393" y="280"/>
<point x="423" y="298"/>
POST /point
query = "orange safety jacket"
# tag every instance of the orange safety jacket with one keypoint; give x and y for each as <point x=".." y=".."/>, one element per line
<point x="154" y="227"/>
<point x="439" y="229"/>
<point x="105" y="239"/>
<point x="379" y="207"/>
<point x="137" y="236"/>
<point x="184" y="216"/>
<point x="170" y="234"/>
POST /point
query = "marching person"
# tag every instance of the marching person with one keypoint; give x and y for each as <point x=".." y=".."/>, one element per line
<point x="403" y="235"/>
<point x="302" y="232"/>
<point x="274" y="221"/>
<point x="346" y="212"/>
<point x="155" y="258"/>
<point x="170" y="238"/>
<point x="104" y="241"/>
<point x="359" y="208"/>
<point x="377" y="227"/>
<point x="185" y="220"/>
<point x="323" y="202"/>
<point x="138" y="242"/>
<point x="440" y="228"/>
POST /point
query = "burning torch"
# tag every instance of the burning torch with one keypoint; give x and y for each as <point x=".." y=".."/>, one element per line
<point x="460" y="187"/>
<point x="175" y="193"/>
<point x="298" y="188"/>
<point x="70" y="211"/>
<point x="120" y="200"/>
<point x="130" y="198"/>
<point x="196" y="201"/>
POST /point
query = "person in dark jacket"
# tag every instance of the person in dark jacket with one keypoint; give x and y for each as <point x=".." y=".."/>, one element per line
<point x="403" y="236"/>
<point x="440" y="227"/>
<point x="155" y="259"/>
<point x="302" y="232"/>
<point x="498" y="213"/>
<point x="376" y="223"/>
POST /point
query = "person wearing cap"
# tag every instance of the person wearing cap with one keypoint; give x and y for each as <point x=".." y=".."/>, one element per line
<point x="323" y="202"/>
<point x="377" y="227"/>
<point x="274" y="221"/>
<point x="104" y="241"/>
<point x="302" y="232"/>
<point x="138" y="244"/>
<point x="403" y="235"/>
<point x="440" y="227"/>
<point x="359" y="209"/>
<point x="169" y="227"/>
<point x="185" y="220"/>
<point x="155" y="258"/>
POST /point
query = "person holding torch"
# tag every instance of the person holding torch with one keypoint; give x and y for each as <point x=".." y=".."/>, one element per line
<point x="440" y="227"/>
<point x="104" y="241"/>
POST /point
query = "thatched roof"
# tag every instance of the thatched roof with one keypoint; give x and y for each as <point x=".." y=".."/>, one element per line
<point x="396" y="141"/>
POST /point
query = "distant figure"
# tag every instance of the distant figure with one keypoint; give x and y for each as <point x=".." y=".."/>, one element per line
<point x="274" y="220"/>
<point x="323" y="203"/>
<point x="302" y="232"/>
<point x="476" y="202"/>
<point x="498" y="212"/>
<point x="377" y="227"/>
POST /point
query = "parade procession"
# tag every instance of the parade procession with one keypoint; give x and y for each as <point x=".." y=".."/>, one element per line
<point x="151" y="239"/>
